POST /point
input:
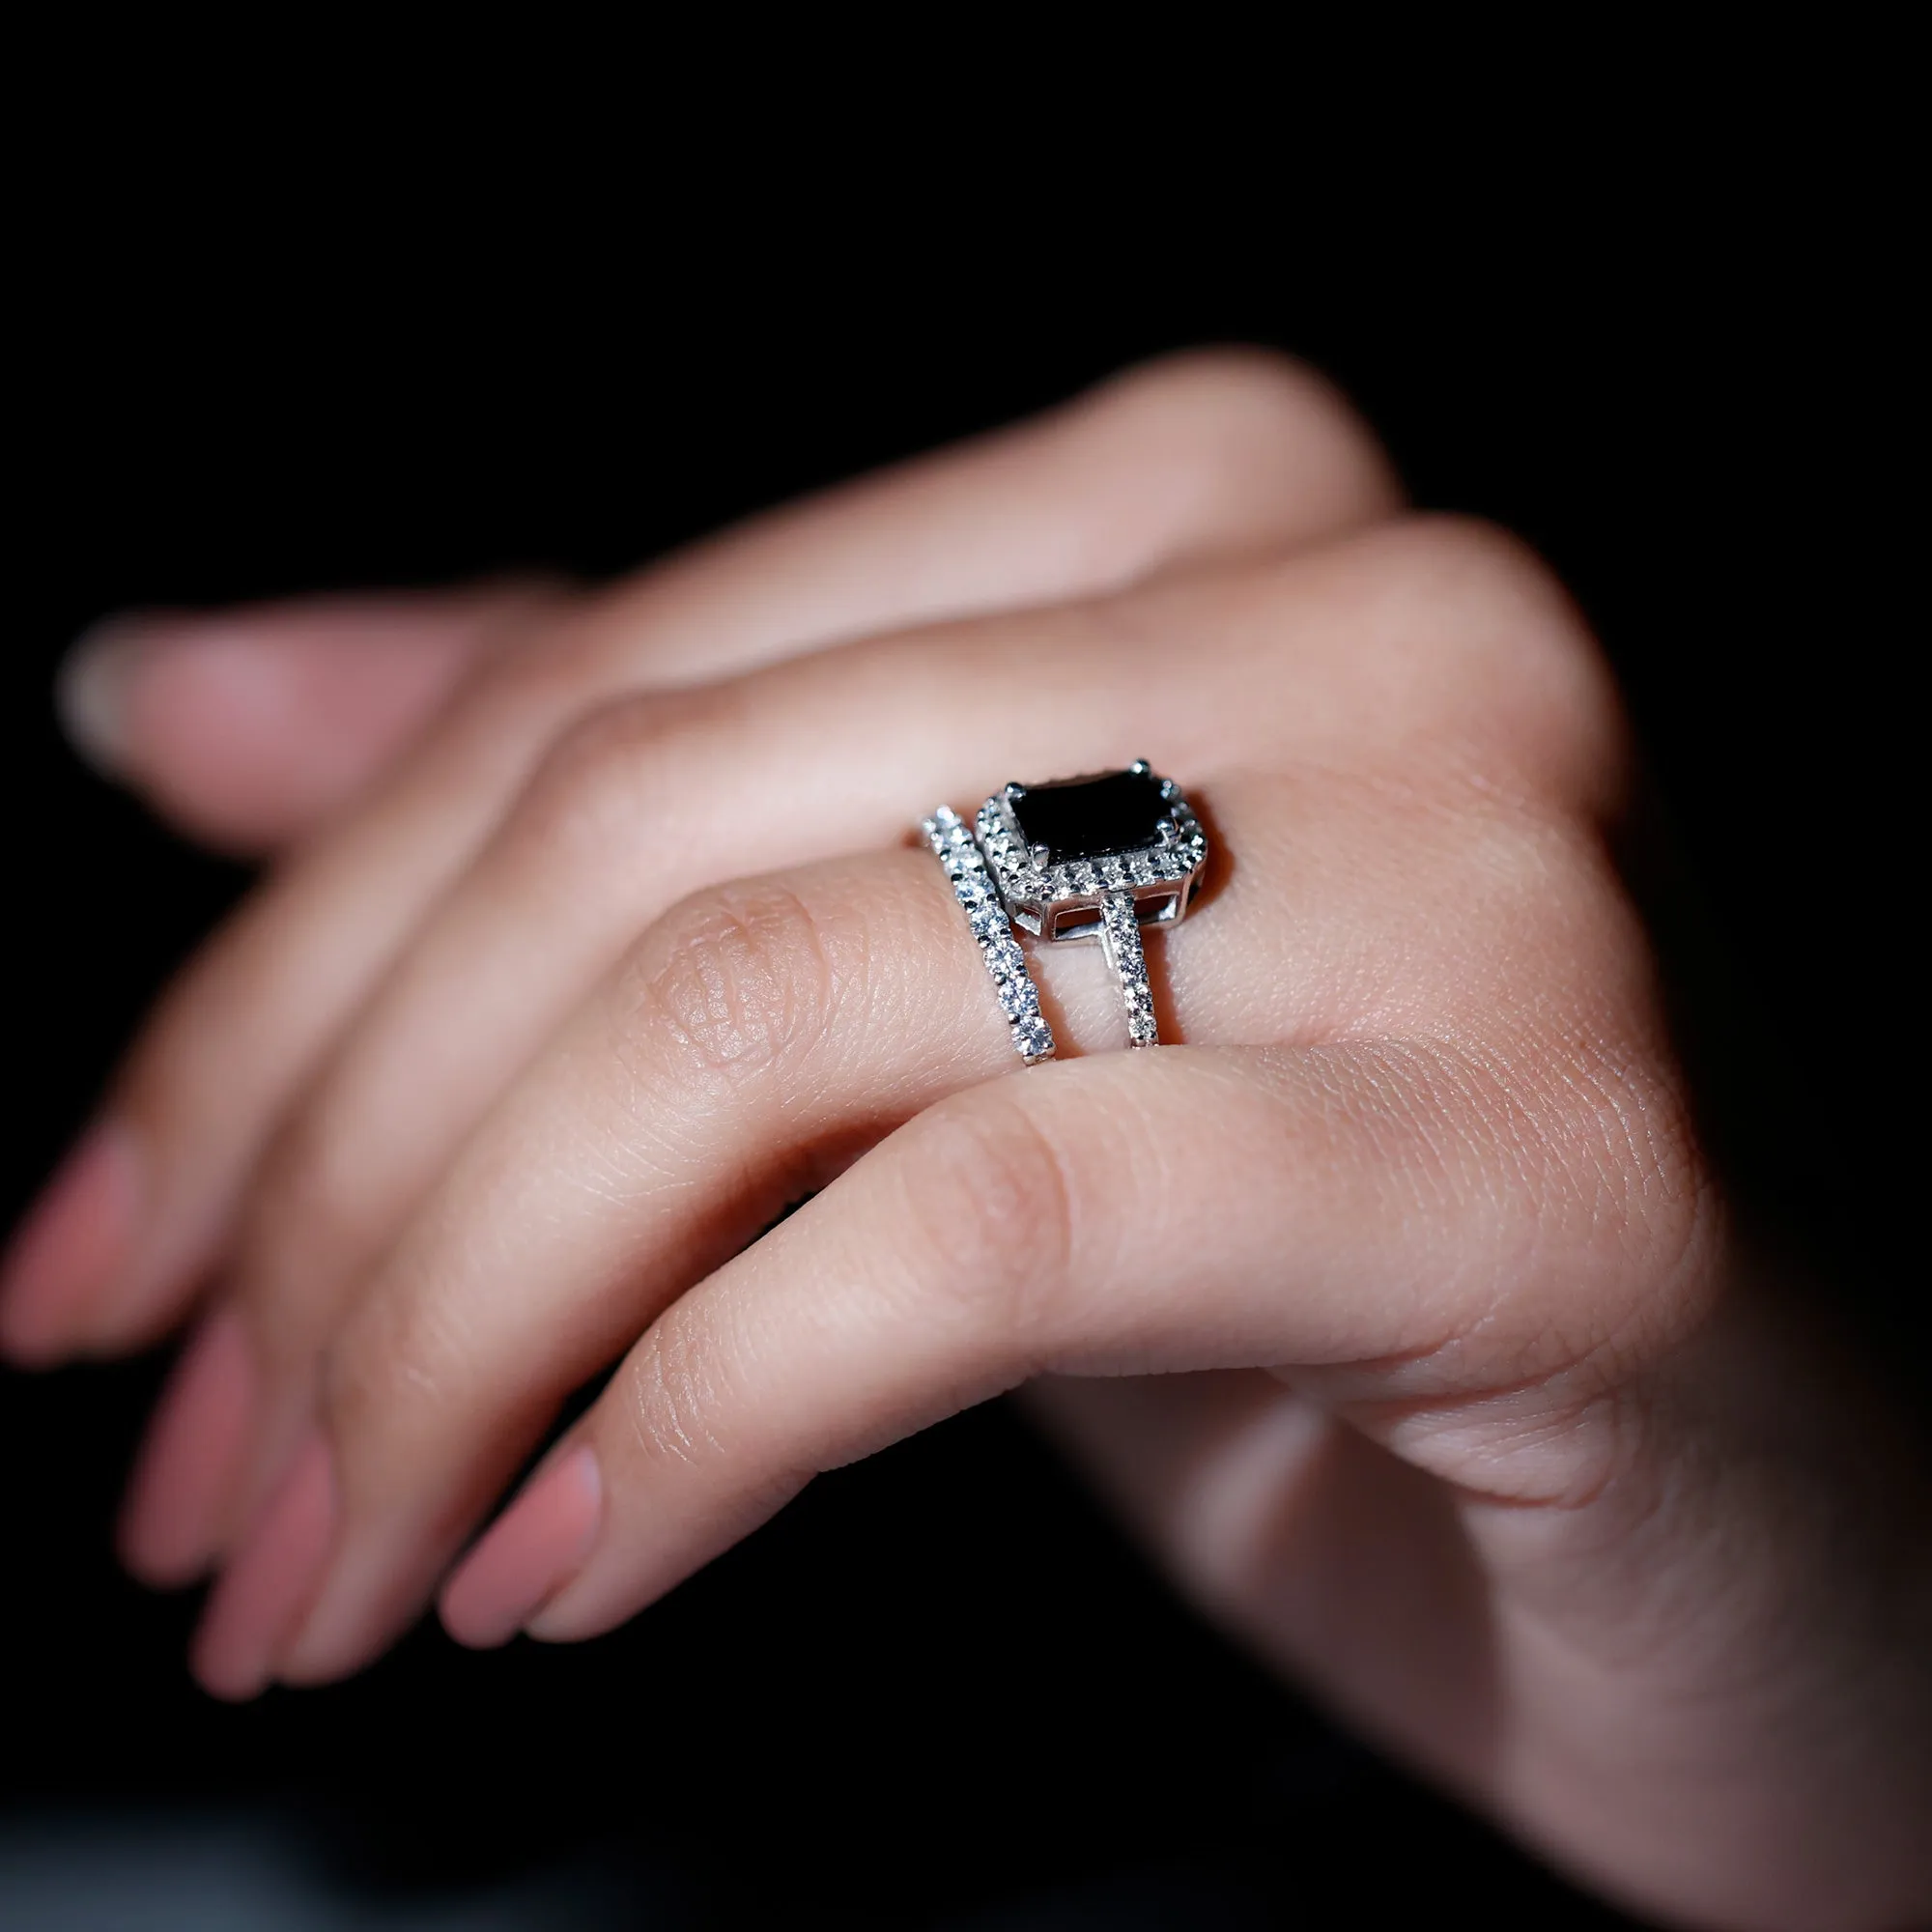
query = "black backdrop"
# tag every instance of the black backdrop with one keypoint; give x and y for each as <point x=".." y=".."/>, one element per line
<point x="939" y="1683"/>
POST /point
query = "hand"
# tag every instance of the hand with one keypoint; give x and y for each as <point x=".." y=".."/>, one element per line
<point x="1397" y="1305"/>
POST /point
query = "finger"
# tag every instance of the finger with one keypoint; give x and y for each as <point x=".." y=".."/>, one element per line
<point x="592" y="853"/>
<point x="762" y="1035"/>
<point x="249" y="728"/>
<point x="657" y="798"/>
<point x="1332" y="1209"/>
<point x="1174" y="464"/>
<point x="651" y="802"/>
<point x="747" y="1043"/>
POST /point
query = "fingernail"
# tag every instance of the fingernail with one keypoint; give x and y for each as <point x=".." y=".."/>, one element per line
<point x="264" y="1592"/>
<point x="71" y="1245"/>
<point x="185" y="1472"/>
<point x="90" y="691"/>
<point x="535" y="1546"/>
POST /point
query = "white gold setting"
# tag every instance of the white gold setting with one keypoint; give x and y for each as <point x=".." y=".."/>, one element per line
<point x="1099" y="885"/>
<point x="1097" y="857"/>
<point x="1062" y="902"/>
<point x="1121" y="941"/>
<point x="965" y="867"/>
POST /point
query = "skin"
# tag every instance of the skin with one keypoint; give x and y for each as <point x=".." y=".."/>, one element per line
<point x="1395" y="1304"/>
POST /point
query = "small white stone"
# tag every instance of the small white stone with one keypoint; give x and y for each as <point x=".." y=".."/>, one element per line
<point x="1033" y="1039"/>
<point x="1018" y="999"/>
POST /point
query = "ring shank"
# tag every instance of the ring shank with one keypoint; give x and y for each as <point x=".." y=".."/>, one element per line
<point x="1121" y="941"/>
<point x="965" y="866"/>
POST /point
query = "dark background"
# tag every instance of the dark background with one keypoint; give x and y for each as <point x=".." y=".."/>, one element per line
<point x="938" y="1690"/>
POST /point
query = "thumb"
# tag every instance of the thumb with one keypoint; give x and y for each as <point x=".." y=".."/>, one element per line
<point x="246" y="727"/>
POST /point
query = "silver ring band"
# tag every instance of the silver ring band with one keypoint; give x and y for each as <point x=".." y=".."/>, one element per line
<point x="1120" y="942"/>
<point x="965" y="866"/>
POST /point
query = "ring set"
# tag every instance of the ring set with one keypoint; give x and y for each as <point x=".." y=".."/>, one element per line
<point x="1092" y="857"/>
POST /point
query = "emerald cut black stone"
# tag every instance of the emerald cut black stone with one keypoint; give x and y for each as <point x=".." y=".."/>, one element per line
<point x="1092" y="817"/>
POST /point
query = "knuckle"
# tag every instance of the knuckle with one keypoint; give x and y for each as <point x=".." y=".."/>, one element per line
<point x="398" y="1362"/>
<point x="194" y="1068"/>
<point x="1640" y="1155"/>
<point x="1251" y="415"/>
<point x="1529" y="894"/>
<point x="1235" y="390"/>
<point x="1515" y="657"/>
<point x="543" y="670"/>
<point x="990" y="1195"/>
<point x="602" y="778"/>
<point x="671" y="1396"/>
<point x="357" y="1384"/>
<point x="304" y="1213"/>
<point x="1617" y="1202"/>
<point x="684" y="1405"/>
<point x="1590" y="1077"/>
<point x="740" y="978"/>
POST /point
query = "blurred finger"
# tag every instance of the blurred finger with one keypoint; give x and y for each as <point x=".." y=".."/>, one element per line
<point x="1169" y="465"/>
<point x="249" y="728"/>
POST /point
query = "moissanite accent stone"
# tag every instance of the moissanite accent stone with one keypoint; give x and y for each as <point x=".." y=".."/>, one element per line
<point x="1121" y="936"/>
<point x="965" y="867"/>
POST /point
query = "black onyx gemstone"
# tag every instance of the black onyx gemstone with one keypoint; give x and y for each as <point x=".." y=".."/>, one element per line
<point x="1090" y="817"/>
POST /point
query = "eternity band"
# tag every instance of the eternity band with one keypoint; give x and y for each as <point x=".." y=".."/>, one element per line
<point x="953" y="846"/>
<point x="1120" y="942"/>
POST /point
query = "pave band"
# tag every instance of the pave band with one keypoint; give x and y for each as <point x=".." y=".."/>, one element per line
<point x="965" y="867"/>
<point x="1121" y="941"/>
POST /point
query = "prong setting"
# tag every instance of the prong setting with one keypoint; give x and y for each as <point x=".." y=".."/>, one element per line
<point x="965" y="867"/>
<point x="1058" y="898"/>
